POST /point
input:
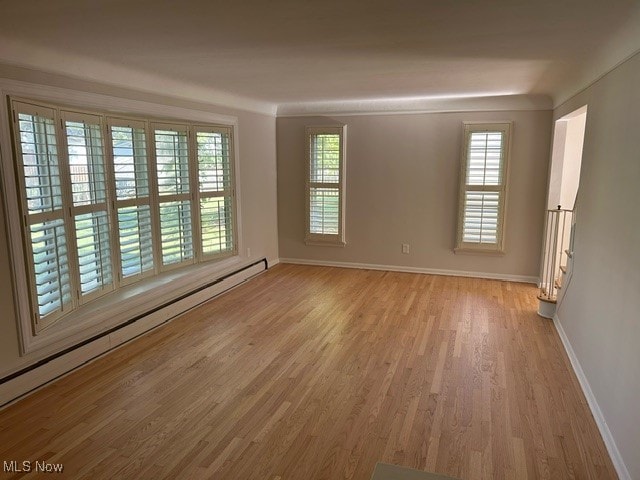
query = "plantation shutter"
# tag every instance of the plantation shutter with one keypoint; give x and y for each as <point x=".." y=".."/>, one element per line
<point x="106" y="201"/>
<point x="85" y="150"/>
<point x="324" y="184"/>
<point x="215" y="189"/>
<point x="132" y="199"/>
<point x="172" y="170"/>
<point x="484" y="186"/>
<point x="42" y="210"/>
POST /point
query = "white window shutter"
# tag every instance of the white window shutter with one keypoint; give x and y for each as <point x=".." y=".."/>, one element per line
<point x="132" y="199"/>
<point x="483" y="187"/>
<point x="106" y="201"/>
<point x="85" y="153"/>
<point x="172" y="170"/>
<point x="215" y="190"/>
<point x="325" y="185"/>
<point x="42" y="207"/>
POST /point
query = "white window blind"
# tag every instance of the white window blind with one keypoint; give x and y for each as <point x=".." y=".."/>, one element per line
<point x="50" y="268"/>
<point x="172" y="170"/>
<point x="132" y="199"/>
<point x="483" y="186"/>
<point x="107" y="201"/>
<point x="40" y="181"/>
<point x="85" y="153"/>
<point x="325" y="179"/>
<point x="215" y="189"/>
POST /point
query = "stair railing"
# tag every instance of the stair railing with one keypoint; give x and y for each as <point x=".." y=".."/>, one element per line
<point x="557" y="234"/>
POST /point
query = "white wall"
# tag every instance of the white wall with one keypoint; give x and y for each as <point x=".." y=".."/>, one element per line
<point x="600" y="312"/>
<point x="566" y="159"/>
<point x="572" y="160"/>
<point x="402" y="180"/>
<point x="256" y="135"/>
<point x="557" y="160"/>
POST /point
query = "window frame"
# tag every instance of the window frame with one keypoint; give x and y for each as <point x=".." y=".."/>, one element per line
<point x="320" y="239"/>
<point x="227" y="192"/>
<point x="37" y="324"/>
<point x="50" y="330"/>
<point x="175" y="197"/>
<point x="73" y="211"/>
<point x="138" y="201"/>
<point x="468" y="128"/>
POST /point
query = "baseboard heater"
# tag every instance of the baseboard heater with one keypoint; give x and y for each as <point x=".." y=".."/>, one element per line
<point x="12" y="388"/>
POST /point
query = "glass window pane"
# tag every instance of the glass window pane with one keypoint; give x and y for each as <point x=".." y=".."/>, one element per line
<point x="172" y="162"/>
<point x="481" y="211"/>
<point x="324" y="210"/>
<point x="136" y="251"/>
<point x="214" y="169"/>
<point x="94" y="255"/>
<point x="216" y="224"/>
<point x="484" y="158"/>
<point x="176" y="232"/>
<point x="86" y="163"/>
<point x="325" y="158"/>
<point x="40" y="163"/>
<point x="130" y="162"/>
<point x="43" y="192"/>
<point x="51" y="266"/>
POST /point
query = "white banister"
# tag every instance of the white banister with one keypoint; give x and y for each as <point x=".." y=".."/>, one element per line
<point x="554" y="259"/>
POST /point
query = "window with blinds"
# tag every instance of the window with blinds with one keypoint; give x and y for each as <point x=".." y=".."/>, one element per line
<point x="85" y="154"/>
<point x="40" y="180"/>
<point x="325" y="185"/>
<point x="215" y="189"/>
<point x="483" y="187"/>
<point x="174" y="194"/>
<point x="132" y="199"/>
<point x="108" y="201"/>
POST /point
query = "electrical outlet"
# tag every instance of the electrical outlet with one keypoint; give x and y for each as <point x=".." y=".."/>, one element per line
<point x="248" y="252"/>
<point x="405" y="248"/>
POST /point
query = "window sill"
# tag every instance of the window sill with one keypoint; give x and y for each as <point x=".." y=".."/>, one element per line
<point x="479" y="251"/>
<point x="319" y="243"/>
<point x="126" y="303"/>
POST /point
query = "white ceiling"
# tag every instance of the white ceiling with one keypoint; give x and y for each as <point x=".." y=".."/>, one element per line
<point x="296" y="53"/>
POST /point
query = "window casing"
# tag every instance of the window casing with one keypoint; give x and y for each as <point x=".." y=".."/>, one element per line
<point x="483" y="187"/>
<point x="325" y="180"/>
<point x="131" y="192"/>
<point x="215" y="190"/>
<point x="43" y="213"/>
<point x="174" y="213"/>
<point x="91" y="272"/>
<point x="106" y="201"/>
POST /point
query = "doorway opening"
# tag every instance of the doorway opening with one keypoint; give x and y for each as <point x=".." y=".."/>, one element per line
<point x="566" y="160"/>
<point x="564" y="181"/>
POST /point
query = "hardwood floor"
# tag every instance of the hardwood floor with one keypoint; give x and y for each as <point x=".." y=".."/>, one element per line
<point x="318" y="373"/>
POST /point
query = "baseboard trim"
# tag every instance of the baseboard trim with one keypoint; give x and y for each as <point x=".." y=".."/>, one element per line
<point x="399" y="268"/>
<point x="273" y="261"/>
<point x="38" y="376"/>
<point x="607" y="437"/>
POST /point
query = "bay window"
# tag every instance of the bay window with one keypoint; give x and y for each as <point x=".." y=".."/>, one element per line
<point x="107" y="201"/>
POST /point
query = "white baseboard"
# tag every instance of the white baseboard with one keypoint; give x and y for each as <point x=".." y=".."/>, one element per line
<point x="399" y="268"/>
<point x="273" y="261"/>
<point x="37" y="377"/>
<point x="607" y="437"/>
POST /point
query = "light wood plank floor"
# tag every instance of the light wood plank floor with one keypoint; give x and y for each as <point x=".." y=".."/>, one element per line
<point x="318" y="373"/>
